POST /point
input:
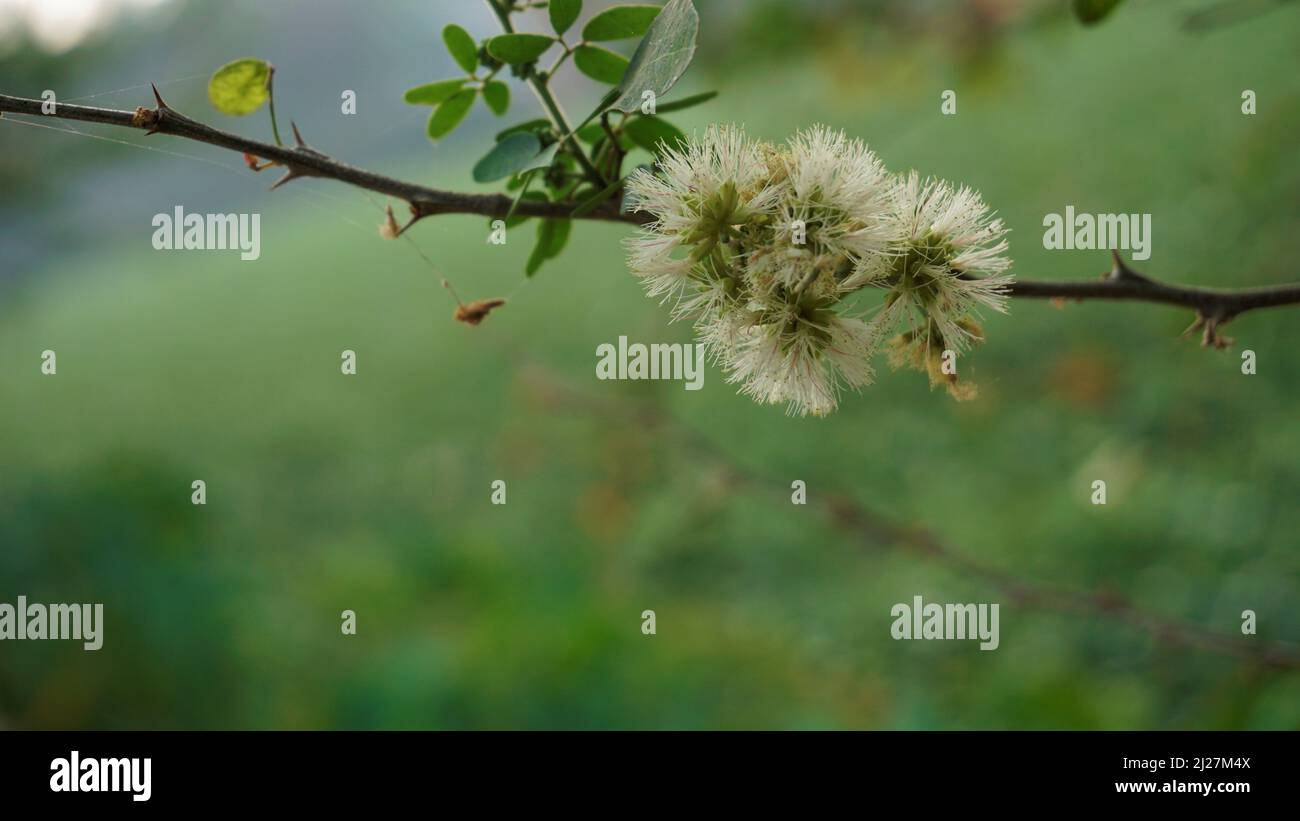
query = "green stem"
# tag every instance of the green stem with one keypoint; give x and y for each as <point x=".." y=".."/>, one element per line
<point x="559" y="61"/>
<point x="270" y="95"/>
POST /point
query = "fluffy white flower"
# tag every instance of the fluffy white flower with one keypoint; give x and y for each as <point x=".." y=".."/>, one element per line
<point x="948" y="259"/>
<point x="700" y="196"/>
<point x="801" y="356"/>
<point x="763" y="247"/>
<point x="829" y="211"/>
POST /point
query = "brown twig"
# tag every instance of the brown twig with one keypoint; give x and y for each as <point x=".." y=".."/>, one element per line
<point x="301" y="161"/>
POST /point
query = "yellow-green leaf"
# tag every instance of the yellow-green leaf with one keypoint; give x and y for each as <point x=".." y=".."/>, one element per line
<point x="239" y="88"/>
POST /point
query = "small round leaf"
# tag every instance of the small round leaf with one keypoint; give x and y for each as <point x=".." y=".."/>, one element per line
<point x="497" y="96"/>
<point x="239" y="88"/>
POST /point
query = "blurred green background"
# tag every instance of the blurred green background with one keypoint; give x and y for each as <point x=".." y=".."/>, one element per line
<point x="371" y="492"/>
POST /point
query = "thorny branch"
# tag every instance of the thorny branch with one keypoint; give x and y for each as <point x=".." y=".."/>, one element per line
<point x="300" y="160"/>
<point x="1214" y="306"/>
<point x="874" y="530"/>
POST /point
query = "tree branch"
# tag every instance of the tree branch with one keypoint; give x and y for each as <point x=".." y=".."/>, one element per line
<point x="303" y="161"/>
<point x="1214" y="306"/>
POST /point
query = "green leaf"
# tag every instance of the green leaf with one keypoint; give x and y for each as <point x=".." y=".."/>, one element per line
<point x="1094" y="11"/>
<point x="651" y="132"/>
<point x="447" y="116"/>
<point x="552" y="235"/>
<point x="535" y="126"/>
<point x="543" y="159"/>
<point x="620" y="23"/>
<point x="600" y="64"/>
<point x="239" y="88"/>
<point x="519" y="48"/>
<point x="591" y="133"/>
<point x="526" y="174"/>
<point x="508" y="157"/>
<point x="497" y="96"/>
<point x="433" y="93"/>
<point x="563" y="13"/>
<point x="461" y="46"/>
<point x="685" y="102"/>
<point x="662" y="56"/>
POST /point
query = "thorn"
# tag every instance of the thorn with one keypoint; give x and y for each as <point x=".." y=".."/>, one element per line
<point x="1212" y="338"/>
<point x="289" y="176"/>
<point x="1194" y="327"/>
<point x="1207" y="337"/>
<point x="1118" y="270"/>
<point x="1209" y="328"/>
<point x="1121" y="271"/>
<point x="301" y="144"/>
<point x="158" y="97"/>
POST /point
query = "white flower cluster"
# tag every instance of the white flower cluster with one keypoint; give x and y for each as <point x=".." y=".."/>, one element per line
<point x="765" y="248"/>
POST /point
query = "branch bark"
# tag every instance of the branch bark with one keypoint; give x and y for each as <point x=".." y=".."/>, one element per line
<point x="1214" y="306"/>
<point x="301" y="160"/>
